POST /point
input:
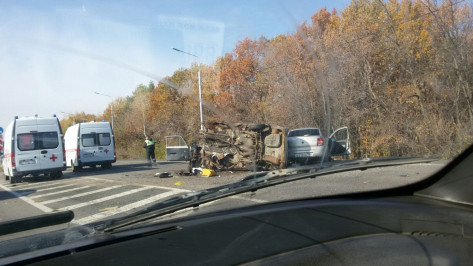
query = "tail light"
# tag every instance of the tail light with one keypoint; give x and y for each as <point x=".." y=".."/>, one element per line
<point x="63" y="148"/>
<point x="78" y="153"/>
<point x="320" y="141"/>
<point x="12" y="157"/>
<point x="114" y="150"/>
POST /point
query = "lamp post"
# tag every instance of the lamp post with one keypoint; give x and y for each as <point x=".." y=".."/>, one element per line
<point x="200" y="88"/>
<point x="73" y="120"/>
<point x="111" y="105"/>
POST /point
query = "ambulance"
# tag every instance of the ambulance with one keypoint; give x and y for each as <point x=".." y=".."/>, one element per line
<point x="33" y="146"/>
<point x="90" y="144"/>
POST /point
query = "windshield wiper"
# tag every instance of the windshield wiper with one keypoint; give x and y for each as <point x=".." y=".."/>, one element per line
<point x="34" y="222"/>
<point x="252" y="183"/>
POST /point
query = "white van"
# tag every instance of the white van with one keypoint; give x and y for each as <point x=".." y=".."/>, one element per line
<point x="90" y="144"/>
<point x="33" y="145"/>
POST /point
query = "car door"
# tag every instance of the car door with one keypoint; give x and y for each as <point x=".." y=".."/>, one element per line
<point x="105" y="147"/>
<point x="176" y="149"/>
<point x="28" y="155"/>
<point x="50" y="146"/>
<point x="339" y="142"/>
<point x="89" y="148"/>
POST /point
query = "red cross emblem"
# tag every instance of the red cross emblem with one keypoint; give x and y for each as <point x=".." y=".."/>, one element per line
<point x="106" y="151"/>
<point x="53" y="158"/>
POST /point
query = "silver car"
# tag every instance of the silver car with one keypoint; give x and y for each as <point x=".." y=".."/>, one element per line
<point x="308" y="144"/>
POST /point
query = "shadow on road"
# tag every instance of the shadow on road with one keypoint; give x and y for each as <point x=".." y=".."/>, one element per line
<point x="121" y="167"/>
<point x="6" y="195"/>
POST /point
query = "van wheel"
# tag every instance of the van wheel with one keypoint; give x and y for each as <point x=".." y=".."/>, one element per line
<point x="15" y="179"/>
<point x="7" y="177"/>
<point x="56" y="174"/>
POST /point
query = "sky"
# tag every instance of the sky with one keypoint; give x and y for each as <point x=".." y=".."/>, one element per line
<point x="54" y="55"/>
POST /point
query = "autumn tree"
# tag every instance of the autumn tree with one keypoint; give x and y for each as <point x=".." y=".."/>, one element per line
<point x="241" y="77"/>
<point x="76" y="118"/>
<point x="398" y="73"/>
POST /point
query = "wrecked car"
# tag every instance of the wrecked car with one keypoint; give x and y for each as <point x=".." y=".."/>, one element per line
<point x="243" y="146"/>
<point x="222" y="146"/>
<point x="240" y="146"/>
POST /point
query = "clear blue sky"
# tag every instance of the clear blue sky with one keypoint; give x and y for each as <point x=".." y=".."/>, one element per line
<point x="55" y="54"/>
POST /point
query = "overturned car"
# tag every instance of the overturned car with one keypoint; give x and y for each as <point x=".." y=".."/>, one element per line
<point x="240" y="146"/>
<point x="223" y="146"/>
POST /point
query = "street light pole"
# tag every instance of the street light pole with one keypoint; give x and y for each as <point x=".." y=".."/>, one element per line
<point x="200" y="89"/>
<point x="200" y="102"/>
<point x="111" y="105"/>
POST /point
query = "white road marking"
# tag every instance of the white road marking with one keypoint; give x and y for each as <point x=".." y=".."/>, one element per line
<point x="159" y="187"/>
<point x="58" y="192"/>
<point x="181" y="190"/>
<point x="250" y="199"/>
<point x="27" y="200"/>
<point x="102" y="215"/>
<point x="33" y="185"/>
<point x="80" y="195"/>
<point x="131" y="206"/>
<point x="51" y="188"/>
<point x="103" y="199"/>
<point x="189" y="209"/>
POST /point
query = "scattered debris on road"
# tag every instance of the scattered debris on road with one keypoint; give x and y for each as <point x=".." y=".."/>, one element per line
<point x="208" y="172"/>
<point x="162" y="175"/>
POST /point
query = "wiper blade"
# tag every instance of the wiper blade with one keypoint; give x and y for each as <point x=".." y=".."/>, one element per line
<point x="34" y="222"/>
<point x="252" y="183"/>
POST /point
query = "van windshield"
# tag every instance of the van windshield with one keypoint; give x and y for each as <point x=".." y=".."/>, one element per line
<point x="37" y="141"/>
<point x="96" y="139"/>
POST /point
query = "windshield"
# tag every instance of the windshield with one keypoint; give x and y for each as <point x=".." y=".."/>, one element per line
<point x="201" y="94"/>
<point x="304" y="132"/>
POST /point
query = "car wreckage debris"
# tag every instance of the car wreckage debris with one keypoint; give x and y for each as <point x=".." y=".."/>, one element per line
<point x="163" y="175"/>
<point x="240" y="147"/>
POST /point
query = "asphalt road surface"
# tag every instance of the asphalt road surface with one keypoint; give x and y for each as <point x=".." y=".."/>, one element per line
<point x="98" y="194"/>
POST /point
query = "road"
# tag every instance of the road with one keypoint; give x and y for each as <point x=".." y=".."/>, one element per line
<point x="97" y="194"/>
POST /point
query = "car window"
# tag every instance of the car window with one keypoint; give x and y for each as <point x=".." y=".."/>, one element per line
<point x="26" y="142"/>
<point x="37" y="141"/>
<point x="89" y="140"/>
<point x="175" y="141"/>
<point x="48" y="140"/>
<point x="304" y="132"/>
<point x="96" y="139"/>
<point x="340" y="135"/>
<point x="104" y="139"/>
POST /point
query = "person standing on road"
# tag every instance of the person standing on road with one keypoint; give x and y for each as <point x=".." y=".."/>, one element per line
<point x="149" y="146"/>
